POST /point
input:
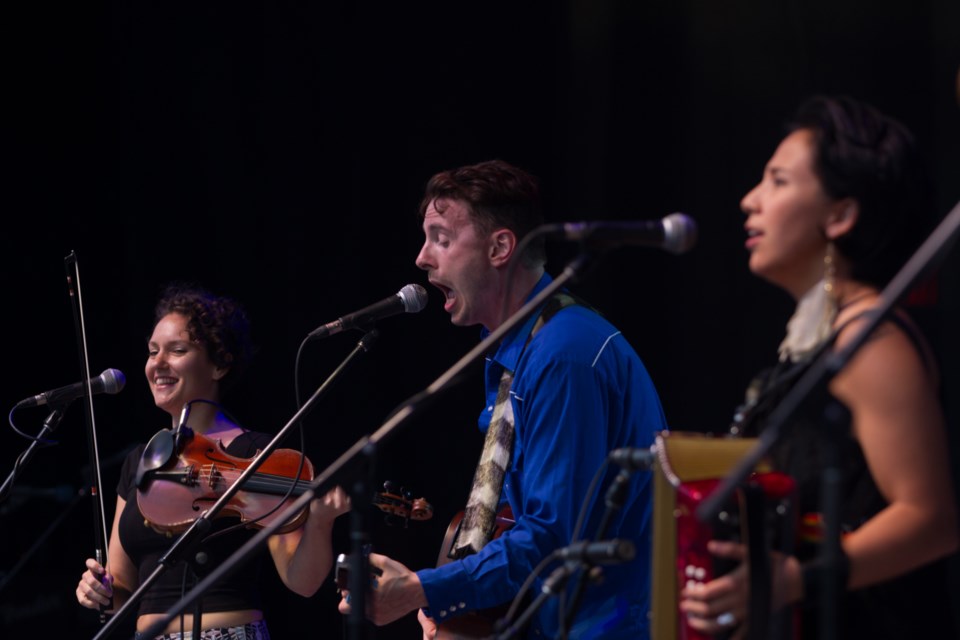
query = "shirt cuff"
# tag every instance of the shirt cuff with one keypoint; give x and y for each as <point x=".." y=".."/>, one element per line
<point x="449" y="591"/>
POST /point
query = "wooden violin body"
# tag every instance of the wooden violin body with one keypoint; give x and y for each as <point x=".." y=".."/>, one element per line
<point x="178" y="482"/>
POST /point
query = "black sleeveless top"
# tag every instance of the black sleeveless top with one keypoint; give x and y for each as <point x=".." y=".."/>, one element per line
<point x="915" y="605"/>
<point x="146" y="546"/>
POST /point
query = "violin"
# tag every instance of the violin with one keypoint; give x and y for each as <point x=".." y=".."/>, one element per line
<point x="182" y="475"/>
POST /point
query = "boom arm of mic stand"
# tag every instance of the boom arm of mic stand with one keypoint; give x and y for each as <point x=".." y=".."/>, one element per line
<point x="189" y="537"/>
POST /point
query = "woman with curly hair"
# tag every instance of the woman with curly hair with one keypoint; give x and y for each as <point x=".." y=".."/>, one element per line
<point x="199" y="346"/>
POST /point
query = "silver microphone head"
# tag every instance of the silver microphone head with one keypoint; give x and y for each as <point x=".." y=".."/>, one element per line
<point x="414" y="298"/>
<point x="113" y="380"/>
<point x="679" y="233"/>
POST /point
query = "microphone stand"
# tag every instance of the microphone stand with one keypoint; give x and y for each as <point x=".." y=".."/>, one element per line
<point x="814" y="380"/>
<point x="556" y="581"/>
<point x="615" y="496"/>
<point x="553" y="585"/>
<point x="366" y="447"/>
<point x="192" y="537"/>
<point x="50" y="424"/>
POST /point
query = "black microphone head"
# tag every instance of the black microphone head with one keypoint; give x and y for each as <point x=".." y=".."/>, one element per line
<point x="113" y="380"/>
<point x="626" y="550"/>
<point x="414" y="298"/>
<point x="679" y="233"/>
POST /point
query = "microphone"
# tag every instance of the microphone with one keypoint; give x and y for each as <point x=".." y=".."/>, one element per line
<point x="630" y="458"/>
<point x="606" y="552"/>
<point x="676" y="233"/>
<point x="110" y="381"/>
<point x="410" y="299"/>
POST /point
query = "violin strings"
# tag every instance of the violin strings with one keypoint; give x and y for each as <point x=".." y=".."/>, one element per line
<point x="282" y="486"/>
<point x="266" y="480"/>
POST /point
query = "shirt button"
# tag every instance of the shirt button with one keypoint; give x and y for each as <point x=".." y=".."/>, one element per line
<point x="463" y="605"/>
<point x="453" y="608"/>
<point x="443" y="614"/>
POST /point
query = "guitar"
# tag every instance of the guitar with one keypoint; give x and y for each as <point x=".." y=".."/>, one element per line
<point x="475" y="624"/>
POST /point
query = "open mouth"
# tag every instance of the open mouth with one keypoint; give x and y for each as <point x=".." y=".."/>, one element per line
<point x="448" y="294"/>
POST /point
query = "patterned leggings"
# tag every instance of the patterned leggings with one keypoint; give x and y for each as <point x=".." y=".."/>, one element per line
<point x="253" y="631"/>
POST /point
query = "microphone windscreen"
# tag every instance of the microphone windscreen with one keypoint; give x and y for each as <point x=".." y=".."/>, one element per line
<point x="679" y="233"/>
<point x="414" y="298"/>
<point x="113" y="380"/>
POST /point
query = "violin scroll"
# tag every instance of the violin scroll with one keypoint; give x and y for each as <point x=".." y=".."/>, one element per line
<point x="399" y="502"/>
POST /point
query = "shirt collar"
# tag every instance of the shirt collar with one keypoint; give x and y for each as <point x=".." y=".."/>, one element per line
<point x="511" y="346"/>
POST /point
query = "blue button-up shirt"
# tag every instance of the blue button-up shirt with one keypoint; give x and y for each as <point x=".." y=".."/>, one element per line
<point x="579" y="391"/>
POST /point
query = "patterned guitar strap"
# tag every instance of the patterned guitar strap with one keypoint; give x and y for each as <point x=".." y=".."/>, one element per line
<point x="479" y="516"/>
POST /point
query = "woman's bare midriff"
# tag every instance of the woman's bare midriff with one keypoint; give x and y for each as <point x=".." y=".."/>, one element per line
<point x="210" y="620"/>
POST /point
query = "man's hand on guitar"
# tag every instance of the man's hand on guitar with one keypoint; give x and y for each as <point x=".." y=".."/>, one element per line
<point x="393" y="594"/>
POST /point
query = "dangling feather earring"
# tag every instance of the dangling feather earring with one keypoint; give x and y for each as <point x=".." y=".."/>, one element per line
<point x="812" y="322"/>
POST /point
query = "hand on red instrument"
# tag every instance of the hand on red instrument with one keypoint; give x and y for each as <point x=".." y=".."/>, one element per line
<point x="724" y="602"/>
<point x="392" y="595"/>
<point x="95" y="589"/>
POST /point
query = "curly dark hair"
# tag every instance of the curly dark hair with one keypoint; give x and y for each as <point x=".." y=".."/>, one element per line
<point x="498" y="195"/>
<point x="863" y="154"/>
<point x="218" y="323"/>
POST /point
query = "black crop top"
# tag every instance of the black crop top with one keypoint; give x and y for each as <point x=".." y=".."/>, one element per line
<point x="145" y="546"/>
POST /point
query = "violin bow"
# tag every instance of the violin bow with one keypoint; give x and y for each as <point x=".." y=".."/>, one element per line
<point x="99" y="517"/>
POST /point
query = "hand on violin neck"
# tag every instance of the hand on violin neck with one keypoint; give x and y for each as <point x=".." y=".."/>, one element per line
<point x="327" y="508"/>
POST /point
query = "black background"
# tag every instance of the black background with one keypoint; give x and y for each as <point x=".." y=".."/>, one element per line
<point x="276" y="152"/>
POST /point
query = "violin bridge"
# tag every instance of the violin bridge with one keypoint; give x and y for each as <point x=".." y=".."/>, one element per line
<point x="214" y="478"/>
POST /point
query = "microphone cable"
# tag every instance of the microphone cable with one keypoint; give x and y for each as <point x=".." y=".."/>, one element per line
<point x="551" y="557"/>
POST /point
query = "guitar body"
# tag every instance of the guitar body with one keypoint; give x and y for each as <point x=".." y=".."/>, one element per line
<point x="475" y="624"/>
